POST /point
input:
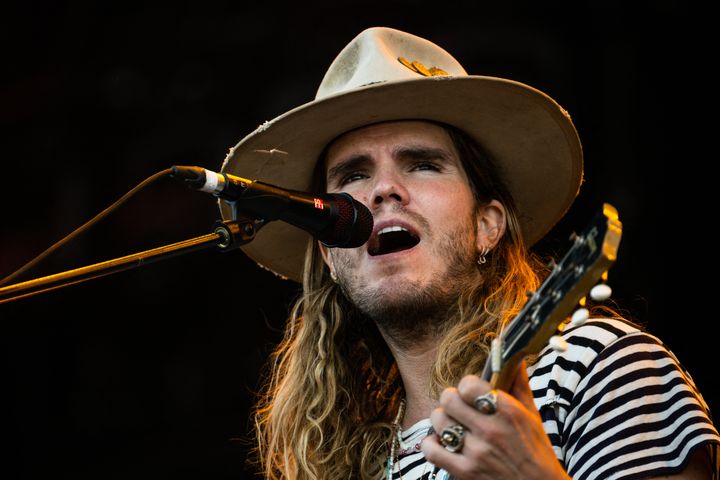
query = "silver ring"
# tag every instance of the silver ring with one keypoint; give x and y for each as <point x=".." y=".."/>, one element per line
<point x="486" y="403"/>
<point x="452" y="437"/>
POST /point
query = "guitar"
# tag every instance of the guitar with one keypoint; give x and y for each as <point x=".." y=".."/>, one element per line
<point x="586" y="262"/>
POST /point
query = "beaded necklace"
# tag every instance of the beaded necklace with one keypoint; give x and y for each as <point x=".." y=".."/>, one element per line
<point x="398" y="447"/>
<point x="394" y="440"/>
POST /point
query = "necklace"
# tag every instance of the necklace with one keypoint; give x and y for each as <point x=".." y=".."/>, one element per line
<point x="399" y="448"/>
<point x="395" y="440"/>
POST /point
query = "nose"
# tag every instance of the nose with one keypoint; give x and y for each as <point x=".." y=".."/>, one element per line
<point x="389" y="187"/>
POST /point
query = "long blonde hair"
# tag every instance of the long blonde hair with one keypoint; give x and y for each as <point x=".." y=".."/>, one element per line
<point x="333" y="386"/>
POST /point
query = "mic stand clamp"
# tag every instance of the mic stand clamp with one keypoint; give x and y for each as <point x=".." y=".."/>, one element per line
<point x="234" y="234"/>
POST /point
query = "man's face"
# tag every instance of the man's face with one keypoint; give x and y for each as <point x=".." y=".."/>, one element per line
<point x="424" y="243"/>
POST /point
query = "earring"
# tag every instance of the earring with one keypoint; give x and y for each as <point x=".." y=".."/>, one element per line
<point x="483" y="252"/>
<point x="333" y="276"/>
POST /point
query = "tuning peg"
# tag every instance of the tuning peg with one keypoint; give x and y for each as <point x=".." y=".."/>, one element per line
<point x="600" y="292"/>
<point x="580" y="316"/>
<point x="558" y="343"/>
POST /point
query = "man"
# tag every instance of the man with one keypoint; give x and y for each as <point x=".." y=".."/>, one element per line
<point x="376" y="375"/>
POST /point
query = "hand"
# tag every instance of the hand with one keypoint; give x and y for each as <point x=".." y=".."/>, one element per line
<point x="507" y="444"/>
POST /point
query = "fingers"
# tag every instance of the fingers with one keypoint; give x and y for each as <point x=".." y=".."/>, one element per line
<point x="454" y="410"/>
<point x="471" y="387"/>
<point x="457" y="406"/>
<point x="482" y="399"/>
<point x="436" y="454"/>
<point x="496" y="441"/>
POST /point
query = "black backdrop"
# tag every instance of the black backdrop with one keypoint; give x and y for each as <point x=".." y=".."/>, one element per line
<point x="150" y="372"/>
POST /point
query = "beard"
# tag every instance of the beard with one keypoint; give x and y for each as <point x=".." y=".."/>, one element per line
<point x="408" y="311"/>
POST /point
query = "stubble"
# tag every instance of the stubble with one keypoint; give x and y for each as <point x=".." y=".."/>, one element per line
<point x="409" y="311"/>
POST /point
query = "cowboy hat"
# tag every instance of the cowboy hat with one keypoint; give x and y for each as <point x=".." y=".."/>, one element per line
<point x="385" y="74"/>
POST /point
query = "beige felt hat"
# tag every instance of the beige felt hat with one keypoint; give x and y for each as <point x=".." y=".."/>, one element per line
<point x="385" y="74"/>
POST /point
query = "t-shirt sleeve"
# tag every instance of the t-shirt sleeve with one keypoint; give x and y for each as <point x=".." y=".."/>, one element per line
<point x="618" y="404"/>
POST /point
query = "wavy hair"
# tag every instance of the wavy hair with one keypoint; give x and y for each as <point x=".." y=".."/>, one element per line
<point x="333" y="387"/>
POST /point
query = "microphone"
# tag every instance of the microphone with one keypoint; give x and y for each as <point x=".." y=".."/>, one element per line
<point x="336" y="219"/>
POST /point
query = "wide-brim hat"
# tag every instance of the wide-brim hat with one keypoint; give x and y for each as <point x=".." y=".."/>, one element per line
<point x="385" y="74"/>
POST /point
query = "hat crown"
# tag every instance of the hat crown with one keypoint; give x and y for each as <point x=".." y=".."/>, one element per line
<point x="374" y="56"/>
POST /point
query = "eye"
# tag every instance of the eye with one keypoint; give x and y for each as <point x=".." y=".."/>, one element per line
<point x="352" y="177"/>
<point x="426" y="166"/>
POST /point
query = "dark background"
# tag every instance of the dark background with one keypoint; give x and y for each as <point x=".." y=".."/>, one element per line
<point x="150" y="372"/>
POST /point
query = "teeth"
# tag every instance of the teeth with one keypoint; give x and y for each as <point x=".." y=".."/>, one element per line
<point x="392" y="229"/>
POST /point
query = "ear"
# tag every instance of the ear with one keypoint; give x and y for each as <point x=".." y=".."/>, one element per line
<point x="491" y="225"/>
<point x="327" y="258"/>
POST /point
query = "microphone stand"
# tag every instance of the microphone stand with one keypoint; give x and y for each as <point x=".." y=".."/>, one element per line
<point x="226" y="236"/>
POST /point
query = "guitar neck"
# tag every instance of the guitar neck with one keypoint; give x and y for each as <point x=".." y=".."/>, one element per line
<point x="587" y="261"/>
<point x="504" y="378"/>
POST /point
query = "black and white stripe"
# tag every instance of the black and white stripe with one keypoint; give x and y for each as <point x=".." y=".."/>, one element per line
<point x="616" y="405"/>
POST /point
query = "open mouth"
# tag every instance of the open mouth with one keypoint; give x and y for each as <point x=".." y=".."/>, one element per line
<point x="392" y="239"/>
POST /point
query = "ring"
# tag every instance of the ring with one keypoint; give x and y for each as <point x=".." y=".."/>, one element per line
<point x="452" y="437"/>
<point x="486" y="403"/>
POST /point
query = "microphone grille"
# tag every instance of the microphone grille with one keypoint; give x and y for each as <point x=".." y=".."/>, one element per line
<point x="353" y="226"/>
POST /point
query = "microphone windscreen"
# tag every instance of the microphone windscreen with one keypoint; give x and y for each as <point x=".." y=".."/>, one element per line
<point x="353" y="226"/>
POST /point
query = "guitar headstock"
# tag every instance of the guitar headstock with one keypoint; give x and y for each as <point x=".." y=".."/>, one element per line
<point x="586" y="262"/>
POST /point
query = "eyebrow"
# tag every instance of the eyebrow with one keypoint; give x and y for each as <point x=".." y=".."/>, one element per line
<point x="348" y="165"/>
<point x="405" y="152"/>
<point x="421" y="152"/>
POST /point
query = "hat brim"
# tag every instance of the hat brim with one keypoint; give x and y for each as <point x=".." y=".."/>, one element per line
<point x="527" y="134"/>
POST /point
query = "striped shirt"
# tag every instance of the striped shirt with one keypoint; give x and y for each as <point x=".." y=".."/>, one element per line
<point x="616" y="404"/>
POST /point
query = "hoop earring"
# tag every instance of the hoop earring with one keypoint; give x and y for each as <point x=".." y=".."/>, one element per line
<point x="482" y="256"/>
